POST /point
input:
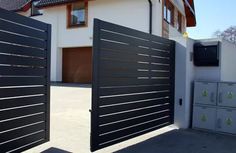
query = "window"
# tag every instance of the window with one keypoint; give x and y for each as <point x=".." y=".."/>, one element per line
<point x="77" y="14"/>
<point x="179" y="22"/>
<point x="168" y="12"/>
<point x="165" y="10"/>
<point x="34" y="10"/>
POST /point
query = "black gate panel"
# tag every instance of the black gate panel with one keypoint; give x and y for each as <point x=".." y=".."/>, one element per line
<point x="133" y="84"/>
<point x="25" y="50"/>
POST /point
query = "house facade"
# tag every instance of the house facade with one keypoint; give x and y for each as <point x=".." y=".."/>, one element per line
<point x="72" y="26"/>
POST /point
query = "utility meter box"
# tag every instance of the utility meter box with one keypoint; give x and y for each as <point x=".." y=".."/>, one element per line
<point x="205" y="93"/>
<point x="206" y="53"/>
<point x="226" y="120"/>
<point x="215" y="106"/>
<point x="214" y="60"/>
<point x="204" y="117"/>
<point x="227" y="95"/>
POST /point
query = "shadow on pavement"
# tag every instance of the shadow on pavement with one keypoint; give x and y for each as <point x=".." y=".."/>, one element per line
<point x="185" y="141"/>
<point x="75" y="85"/>
<point x="55" y="150"/>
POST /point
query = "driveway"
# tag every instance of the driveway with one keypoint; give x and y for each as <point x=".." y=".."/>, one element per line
<point x="70" y="119"/>
<point x="70" y="131"/>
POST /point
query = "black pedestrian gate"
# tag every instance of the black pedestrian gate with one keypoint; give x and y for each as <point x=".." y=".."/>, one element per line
<point x="24" y="82"/>
<point x="133" y="84"/>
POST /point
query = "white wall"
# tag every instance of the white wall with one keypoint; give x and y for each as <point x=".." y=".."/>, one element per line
<point x="189" y="82"/>
<point x="208" y="73"/>
<point x="184" y="76"/>
<point x="174" y="33"/>
<point x="130" y="13"/>
<point x="180" y="81"/>
<point x="186" y="73"/>
<point x="228" y="61"/>
<point x="179" y="4"/>
<point x="157" y="17"/>
<point x="51" y="17"/>
<point x="226" y="70"/>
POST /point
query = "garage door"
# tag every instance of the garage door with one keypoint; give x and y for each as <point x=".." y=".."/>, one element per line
<point x="77" y="65"/>
<point x="133" y="84"/>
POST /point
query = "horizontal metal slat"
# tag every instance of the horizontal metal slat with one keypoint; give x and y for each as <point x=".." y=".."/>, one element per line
<point x="21" y="50"/>
<point x="132" y="32"/>
<point x="21" y="40"/>
<point x="25" y="91"/>
<point x="18" y="102"/>
<point x="132" y="114"/>
<point x="127" y="49"/>
<point x="22" y="71"/>
<point x="123" y="39"/>
<point x="6" y="15"/>
<point x="132" y="122"/>
<point x="16" y="28"/>
<point x="128" y="67"/>
<point x="22" y="81"/>
<point x="133" y="135"/>
<point x="132" y="130"/>
<point x="129" y="98"/>
<point x="106" y="82"/>
<point x="11" y="124"/>
<point x="22" y="141"/>
<point x="19" y="60"/>
<point x="21" y="132"/>
<point x="123" y="30"/>
<point x="117" y="56"/>
<point x="110" y="67"/>
<point x="134" y="73"/>
<point x="30" y="145"/>
<point x="132" y="106"/>
<point x="131" y="89"/>
<point x="160" y="40"/>
<point x="19" y="112"/>
<point x="132" y="80"/>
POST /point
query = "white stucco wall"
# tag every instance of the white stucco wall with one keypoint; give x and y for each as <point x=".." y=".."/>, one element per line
<point x="130" y="13"/>
<point x="179" y="4"/>
<point x="180" y="81"/>
<point x="226" y="70"/>
<point x="187" y="73"/>
<point x="174" y="33"/>
<point x="228" y="62"/>
<point x="208" y="73"/>
<point x="184" y="76"/>
<point x="51" y="17"/>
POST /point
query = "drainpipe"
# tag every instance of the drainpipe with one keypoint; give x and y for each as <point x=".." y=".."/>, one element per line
<point x="150" y="16"/>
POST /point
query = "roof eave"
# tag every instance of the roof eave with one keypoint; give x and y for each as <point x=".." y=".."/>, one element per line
<point x="57" y="4"/>
<point x="23" y="8"/>
<point x="190" y="13"/>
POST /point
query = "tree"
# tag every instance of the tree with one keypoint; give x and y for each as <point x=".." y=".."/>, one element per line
<point x="228" y="34"/>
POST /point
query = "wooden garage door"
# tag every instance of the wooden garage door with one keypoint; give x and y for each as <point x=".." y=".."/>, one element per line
<point x="77" y="65"/>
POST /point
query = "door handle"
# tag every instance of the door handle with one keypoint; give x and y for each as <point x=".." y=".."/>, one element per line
<point x="220" y="97"/>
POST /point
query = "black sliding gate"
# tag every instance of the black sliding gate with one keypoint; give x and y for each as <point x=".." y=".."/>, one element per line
<point x="24" y="82"/>
<point x="133" y="84"/>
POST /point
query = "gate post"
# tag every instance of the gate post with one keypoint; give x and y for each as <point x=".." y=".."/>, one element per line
<point x="95" y="86"/>
<point x="48" y="82"/>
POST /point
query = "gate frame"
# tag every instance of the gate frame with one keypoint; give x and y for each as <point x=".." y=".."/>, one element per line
<point x="24" y="22"/>
<point x="95" y="87"/>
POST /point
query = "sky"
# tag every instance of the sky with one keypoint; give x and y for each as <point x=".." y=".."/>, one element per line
<point x="212" y="15"/>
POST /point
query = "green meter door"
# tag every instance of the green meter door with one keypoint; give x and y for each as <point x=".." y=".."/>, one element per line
<point x="205" y="93"/>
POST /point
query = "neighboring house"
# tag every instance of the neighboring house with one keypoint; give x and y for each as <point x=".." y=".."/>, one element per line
<point x="72" y="26"/>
